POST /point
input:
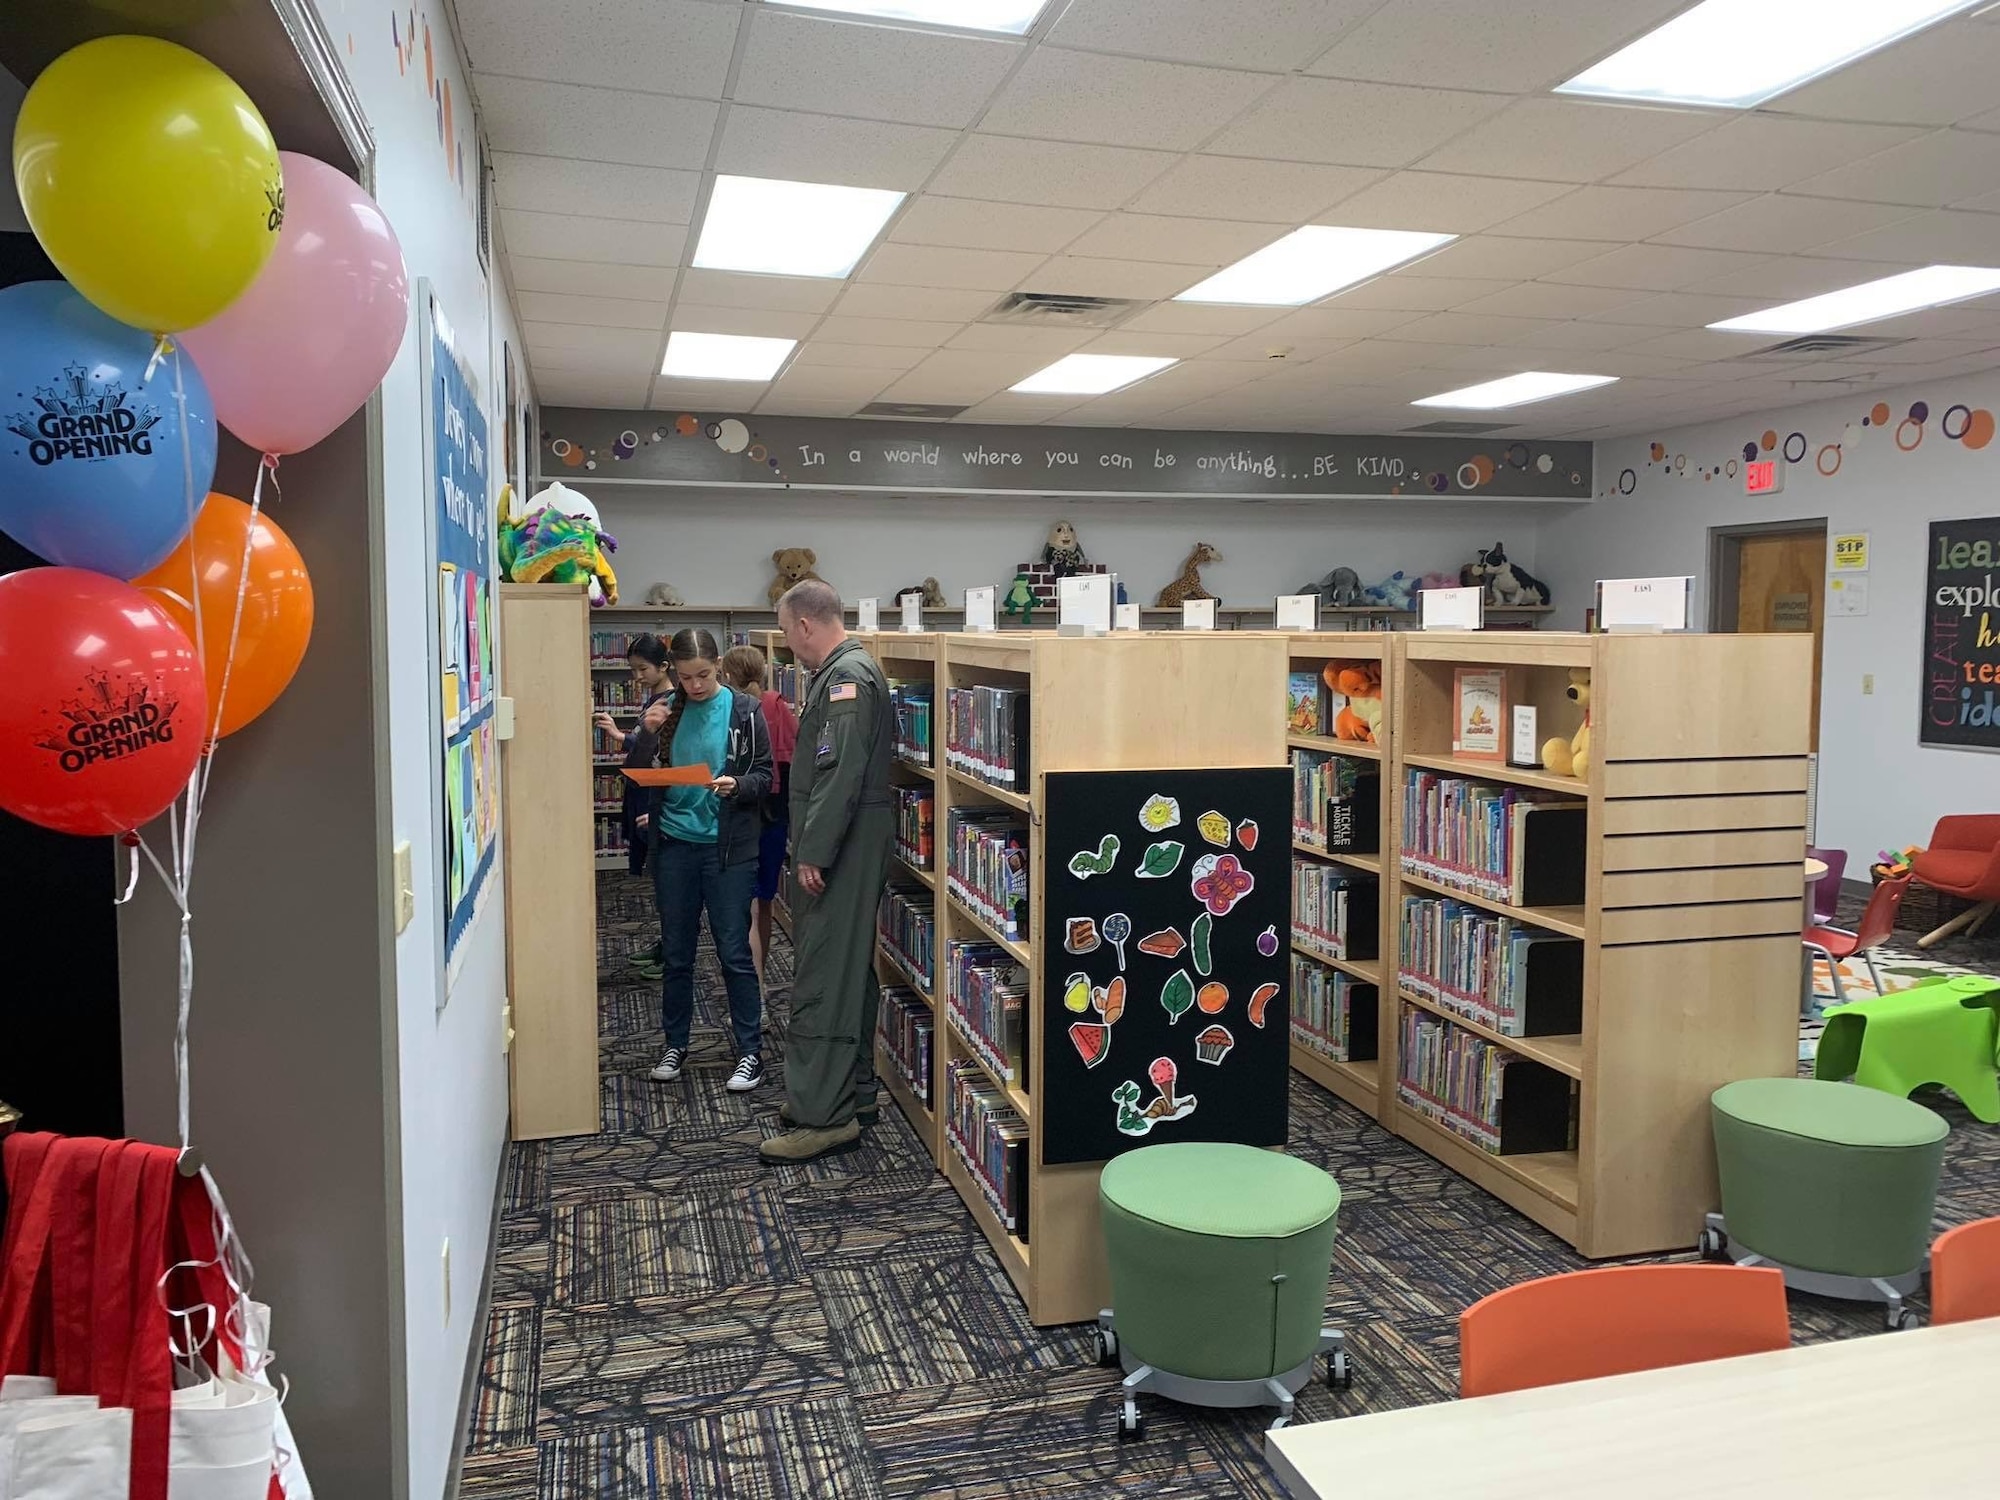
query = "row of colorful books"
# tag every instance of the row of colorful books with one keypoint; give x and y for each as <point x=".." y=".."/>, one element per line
<point x="610" y="648"/>
<point x="916" y="825"/>
<point x="618" y="694"/>
<point x="912" y="704"/>
<point x="789" y="680"/>
<point x="1511" y="978"/>
<point x="1335" y="911"/>
<point x="986" y="866"/>
<point x="1505" y="843"/>
<point x="1499" y="1101"/>
<point x="907" y="1028"/>
<point x="986" y="993"/>
<point x="1333" y="1013"/>
<point x="991" y="1140"/>
<point x="607" y="789"/>
<point x="986" y="734"/>
<point x="608" y="834"/>
<point x="906" y="921"/>
<point x="1336" y="802"/>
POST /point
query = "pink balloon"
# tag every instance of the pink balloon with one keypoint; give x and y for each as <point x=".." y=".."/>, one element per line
<point x="300" y="351"/>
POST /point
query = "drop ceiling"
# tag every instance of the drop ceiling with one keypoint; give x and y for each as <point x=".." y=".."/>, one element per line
<point x="1129" y="148"/>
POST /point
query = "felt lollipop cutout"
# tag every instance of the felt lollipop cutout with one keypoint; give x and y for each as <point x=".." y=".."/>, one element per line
<point x="1116" y="929"/>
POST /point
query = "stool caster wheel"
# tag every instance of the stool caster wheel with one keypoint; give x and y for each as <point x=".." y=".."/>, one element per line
<point x="1713" y="1244"/>
<point x="1107" y="1346"/>
<point x="1131" y="1426"/>
<point x="1900" y="1318"/>
<point x="1339" y="1372"/>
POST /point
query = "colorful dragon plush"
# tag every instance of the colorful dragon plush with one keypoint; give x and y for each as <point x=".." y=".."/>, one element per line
<point x="557" y="539"/>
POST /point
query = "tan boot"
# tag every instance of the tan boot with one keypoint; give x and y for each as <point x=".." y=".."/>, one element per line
<point x="867" y="1115"/>
<point x="802" y="1145"/>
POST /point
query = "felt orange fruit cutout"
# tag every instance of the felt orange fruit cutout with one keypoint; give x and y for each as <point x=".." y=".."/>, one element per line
<point x="1212" y="998"/>
<point x="1265" y="994"/>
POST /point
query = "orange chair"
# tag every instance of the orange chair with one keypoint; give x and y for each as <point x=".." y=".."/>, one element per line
<point x="1878" y="921"/>
<point x="1612" y="1322"/>
<point x="1963" y="860"/>
<point x="1965" y="1273"/>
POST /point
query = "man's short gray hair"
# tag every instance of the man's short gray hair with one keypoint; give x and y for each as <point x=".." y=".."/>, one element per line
<point x="812" y="599"/>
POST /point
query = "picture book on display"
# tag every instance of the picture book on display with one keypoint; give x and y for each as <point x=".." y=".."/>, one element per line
<point x="1302" y="699"/>
<point x="1479" y="714"/>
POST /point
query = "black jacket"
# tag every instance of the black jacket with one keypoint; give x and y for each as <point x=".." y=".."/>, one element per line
<point x="741" y="822"/>
<point x="642" y="749"/>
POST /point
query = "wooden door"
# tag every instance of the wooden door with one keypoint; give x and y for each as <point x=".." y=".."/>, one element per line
<point x="1781" y="587"/>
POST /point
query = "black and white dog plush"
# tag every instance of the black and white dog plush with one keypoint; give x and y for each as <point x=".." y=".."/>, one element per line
<point x="1507" y="584"/>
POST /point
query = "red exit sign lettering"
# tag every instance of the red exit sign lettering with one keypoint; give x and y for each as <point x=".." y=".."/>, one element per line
<point x="1764" y="477"/>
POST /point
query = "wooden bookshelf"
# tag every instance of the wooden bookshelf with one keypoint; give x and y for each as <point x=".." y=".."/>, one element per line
<point x="1693" y="892"/>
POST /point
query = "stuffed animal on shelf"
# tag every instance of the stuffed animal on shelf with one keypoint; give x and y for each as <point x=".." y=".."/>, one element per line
<point x="664" y="595"/>
<point x="1442" y="581"/>
<point x="794" y="565"/>
<point x="932" y="591"/>
<point x="1361" y="682"/>
<point x="1507" y="584"/>
<point x="556" y="539"/>
<point x="1571" y="757"/>
<point x="1063" y="552"/>
<point x="1021" y="599"/>
<point x="1339" y="589"/>
<point x="1188" y="584"/>
<point x="1397" y="591"/>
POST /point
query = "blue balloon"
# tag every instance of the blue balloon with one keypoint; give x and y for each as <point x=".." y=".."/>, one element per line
<point x="95" y="465"/>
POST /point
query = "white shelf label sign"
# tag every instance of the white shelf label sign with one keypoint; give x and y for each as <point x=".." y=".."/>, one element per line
<point x="1643" y="603"/>
<point x="913" y="613"/>
<point x="868" y="615"/>
<point x="1451" y="609"/>
<point x="1298" y="612"/>
<point x="1197" y="614"/>
<point x="979" y="608"/>
<point x="1084" y="601"/>
<point x="1125" y="617"/>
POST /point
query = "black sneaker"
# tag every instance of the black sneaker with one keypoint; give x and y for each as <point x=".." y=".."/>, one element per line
<point x="668" y="1068"/>
<point x="749" y="1073"/>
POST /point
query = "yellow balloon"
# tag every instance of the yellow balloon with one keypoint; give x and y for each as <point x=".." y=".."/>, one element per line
<point x="149" y="178"/>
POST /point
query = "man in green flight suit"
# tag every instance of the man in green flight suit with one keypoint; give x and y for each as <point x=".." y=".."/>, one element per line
<point x="843" y="829"/>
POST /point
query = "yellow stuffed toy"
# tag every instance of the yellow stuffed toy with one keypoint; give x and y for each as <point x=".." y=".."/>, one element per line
<point x="1572" y="757"/>
<point x="1361" y="718"/>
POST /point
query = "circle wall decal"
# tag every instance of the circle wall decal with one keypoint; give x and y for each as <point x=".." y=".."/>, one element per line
<point x="1730" y="468"/>
<point x="1749" y="453"/>
<point x="1828" y="469"/>
<point x="687" y="426"/>
<point x="1544" y="463"/>
<point x="560" y="447"/>
<point x="731" y="436"/>
<point x="1627" y="481"/>
<point x="1468" y="476"/>
<point x="1790" y="457"/>
<point x="1914" y="428"/>
<point x="1879" y="414"/>
<point x="1517" y="456"/>
<point x="1964" y="415"/>
<point x="1769" y="440"/>
<point x="1979" y="429"/>
<point x="1920" y="411"/>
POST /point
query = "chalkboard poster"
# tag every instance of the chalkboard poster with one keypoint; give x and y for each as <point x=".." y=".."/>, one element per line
<point x="1961" y="705"/>
<point x="1165" y="960"/>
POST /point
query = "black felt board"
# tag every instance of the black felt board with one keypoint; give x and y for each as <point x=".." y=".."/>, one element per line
<point x="1243" y="1097"/>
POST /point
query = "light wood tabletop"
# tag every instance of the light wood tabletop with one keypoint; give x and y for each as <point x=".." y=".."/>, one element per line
<point x="1908" y="1415"/>
<point x="1815" y="869"/>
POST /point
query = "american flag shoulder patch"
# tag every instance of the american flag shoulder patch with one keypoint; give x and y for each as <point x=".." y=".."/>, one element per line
<point x="842" y="692"/>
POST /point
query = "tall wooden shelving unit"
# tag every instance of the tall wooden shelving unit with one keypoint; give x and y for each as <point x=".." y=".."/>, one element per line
<point x="1696" y="805"/>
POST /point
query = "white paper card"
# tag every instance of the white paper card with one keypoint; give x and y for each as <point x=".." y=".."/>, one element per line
<point x="980" y="606"/>
<point x="1847" y="594"/>
<point x="1084" y="601"/>
<point x="1125" y="617"/>
<point x="913" y="613"/>
<point x="1643" y="603"/>
<point x="1526" y="749"/>
<point x="1298" y="611"/>
<point x="1451" y="609"/>
<point x="1197" y="614"/>
<point x="868" y="614"/>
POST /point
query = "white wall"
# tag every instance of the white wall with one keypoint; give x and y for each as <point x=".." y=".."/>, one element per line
<point x="715" y="546"/>
<point x="1878" y="787"/>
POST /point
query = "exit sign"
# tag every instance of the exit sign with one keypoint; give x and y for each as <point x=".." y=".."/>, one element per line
<point x="1764" y="477"/>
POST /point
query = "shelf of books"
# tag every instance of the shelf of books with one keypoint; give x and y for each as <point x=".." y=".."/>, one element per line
<point x="1571" y="964"/>
<point x="1338" y="736"/>
<point x="612" y="691"/>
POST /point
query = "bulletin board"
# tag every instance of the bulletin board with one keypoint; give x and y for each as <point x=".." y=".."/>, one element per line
<point x="1165" y="960"/>
<point x="1961" y="700"/>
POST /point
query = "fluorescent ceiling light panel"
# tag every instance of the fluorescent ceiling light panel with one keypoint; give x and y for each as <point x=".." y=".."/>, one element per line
<point x="775" y="228"/>
<point x="1011" y="16"/>
<point x="1311" y="263"/>
<point x="724" y="356"/>
<point x="1091" y="374"/>
<point x="1736" y="54"/>
<point x="1515" y="390"/>
<point x="1933" y="286"/>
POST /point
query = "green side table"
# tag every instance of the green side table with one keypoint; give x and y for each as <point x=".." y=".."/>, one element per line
<point x="1944" y="1030"/>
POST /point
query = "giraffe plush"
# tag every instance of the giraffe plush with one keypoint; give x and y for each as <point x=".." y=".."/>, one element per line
<point x="1188" y="585"/>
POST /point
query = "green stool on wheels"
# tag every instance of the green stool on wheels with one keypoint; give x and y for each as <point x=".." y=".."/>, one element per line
<point x="1219" y="1261"/>
<point x="1944" y="1030"/>
<point x="1830" y="1183"/>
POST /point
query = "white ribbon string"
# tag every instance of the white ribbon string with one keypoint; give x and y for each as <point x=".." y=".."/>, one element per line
<point x="131" y="870"/>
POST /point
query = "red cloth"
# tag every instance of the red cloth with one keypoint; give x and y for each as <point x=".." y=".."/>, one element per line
<point x="784" y="727"/>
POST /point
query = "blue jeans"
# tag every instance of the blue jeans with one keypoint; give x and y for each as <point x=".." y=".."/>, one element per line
<point x="686" y="879"/>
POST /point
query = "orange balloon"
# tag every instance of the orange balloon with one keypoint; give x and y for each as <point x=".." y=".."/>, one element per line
<point x="277" y="605"/>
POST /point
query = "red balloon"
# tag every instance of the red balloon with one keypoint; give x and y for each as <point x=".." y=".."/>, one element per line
<point x="102" y="702"/>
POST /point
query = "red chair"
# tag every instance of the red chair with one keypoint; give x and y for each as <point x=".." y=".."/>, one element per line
<point x="1963" y="860"/>
<point x="1611" y="1322"/>
<point x="1878" y="920"/>
<point x="1965" y="1273"/>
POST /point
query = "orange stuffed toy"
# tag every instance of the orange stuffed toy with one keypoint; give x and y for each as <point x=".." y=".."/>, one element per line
<point x="1361" y="682"/>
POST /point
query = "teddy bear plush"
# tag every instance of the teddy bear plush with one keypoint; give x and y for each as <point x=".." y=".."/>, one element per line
<point x="931" y="590"/>
<point x="1571" y="757"/>
<point x="794" y="565"/>
<point x="1361" y="682"/>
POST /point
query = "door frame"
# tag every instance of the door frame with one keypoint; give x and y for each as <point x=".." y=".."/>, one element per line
<point x="1724" y="552"/>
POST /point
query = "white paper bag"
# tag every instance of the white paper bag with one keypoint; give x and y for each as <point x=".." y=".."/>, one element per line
<point x="26" y="1387"/>
<point x="17" y="1410"/>
<point x="82" y="1455"/>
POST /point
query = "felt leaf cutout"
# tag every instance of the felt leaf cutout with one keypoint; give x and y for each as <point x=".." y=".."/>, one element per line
<point x="1213" y="998"/>
<point x="1246" y="834"/>
<point x="1160" y="860"/>
<point x="1157" y="814"/>
<point x="1177" y="995"/>
<point x="1083" y="864"/>
<point x="1199" y="935"/>
<point x="1267" y="942"/>
<point x="1117" y="928"/>
<point x="1213" y="1045"/>
<point x="1214" y="827"/>
<point x="1080" y="936"/>
<point x="1076" y="993"/>
<point x="1092" y="1041"/>
<point x="1265" y="994"/>
<point x="1166" y="943"/>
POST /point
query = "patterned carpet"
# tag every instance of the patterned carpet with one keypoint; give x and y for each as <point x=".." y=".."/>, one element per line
<point x="670" y="1319"/>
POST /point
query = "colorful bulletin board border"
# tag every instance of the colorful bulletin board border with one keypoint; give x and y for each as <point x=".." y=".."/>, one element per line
<point x="1961" y="700"/>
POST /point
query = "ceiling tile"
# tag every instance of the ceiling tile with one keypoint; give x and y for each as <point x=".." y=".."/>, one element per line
<point x="1523" y="46"/>
<point x="614" y="344"/>
<point x="962" y="375"/>
<point x="1258" y="349"/>
<point x="1228" y="187"/>
<point x="1654" y="268"/>
<point x="820" y="351"/>
<point x="1272" y="36"/>
<point x="561" y="185"/>
<point x="775" y="405"/>
<point x="1201" y="317"/>
<point x="1947" y="237"/>
<point x="1055" y="172"/>
<point x="1498" y="257"/>
<point x="938" y="265"/>
<point x="1781" y="224"/>
<point x="599" y="312"/>
<point x="933" y="304"/>
<point x="1937" y="77"/>
<point x="1566" y="140"/>
<point x="901" y="333"/>
<point x="572" y="237"/>
<point x="706" y="395"/>
<point x="662" y="47"/>
<point x="831" y="383"/>
<point x="1415" y="293"/>
<point x="590" y="279"/>
<point x="1787" y="278"/>
<point x="841" y="67"/>
<point x="1183" y="242"/>
<point x="972" y="224"/>
<point x="797" y="294"/>
<point x="1176" y="345"/>
<point x="1356" y="124"/>
<point x="1441" y="202"/>
<point x="1082" y="276"/>
<point x="1047" y="343"/>
<point x="599" y="391"/>
<point x="1466" y="328"/>
<point x="1586" y="338"/>
<point x="1115" y="101"/>
<point x="1012" y="407"/>
<point x="750" y="321"/>
<point x="1763" y="153"/>
<point x="634" y="363"/>
<point x="1702" y="344"/>
<point x="1335" y="322"/>
<point x="1679" y="310"/>
<point x="798" y="147"/>
<point x="1548" y="299"/>
<point x="1943" y="167"/>
<point x="594" y="124"/>
<point x="1620" y="213"/>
